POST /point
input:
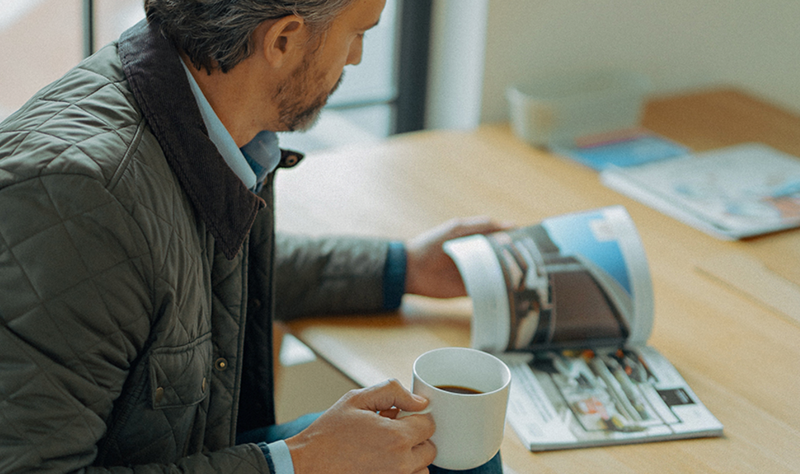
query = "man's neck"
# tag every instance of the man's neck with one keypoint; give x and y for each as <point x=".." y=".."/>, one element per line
<point x="236" y="100"/>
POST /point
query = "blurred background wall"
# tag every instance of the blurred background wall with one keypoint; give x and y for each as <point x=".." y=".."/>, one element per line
<point x="471" y="52"/>
<point x="679" y="44"/>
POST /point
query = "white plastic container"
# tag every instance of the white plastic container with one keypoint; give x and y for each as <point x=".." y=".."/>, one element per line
<point x="554" y="111"/>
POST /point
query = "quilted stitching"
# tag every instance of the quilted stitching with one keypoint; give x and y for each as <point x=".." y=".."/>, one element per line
<point x="70" y="341"/>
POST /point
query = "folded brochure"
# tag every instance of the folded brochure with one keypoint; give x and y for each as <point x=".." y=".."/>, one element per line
<point x="568" y="304"/>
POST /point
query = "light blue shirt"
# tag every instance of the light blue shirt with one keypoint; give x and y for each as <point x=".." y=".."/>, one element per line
<point x="254" y="161"/>
<point x="251" y="164"/>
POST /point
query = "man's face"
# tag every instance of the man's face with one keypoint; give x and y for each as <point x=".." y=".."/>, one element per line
<point x="302" y="96"/>
<point x="305" y="92"/>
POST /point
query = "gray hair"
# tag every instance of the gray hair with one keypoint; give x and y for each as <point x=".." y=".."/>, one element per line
<point x="217" y="34"/>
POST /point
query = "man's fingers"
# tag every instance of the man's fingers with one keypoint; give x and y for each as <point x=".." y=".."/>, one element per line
<point x="390" y="413"/>
<point x="422" y="426"/>
<point x="358" y="434"/>
<point x="426" y="453"/>
<point x="388" y="395"/>
<point x="388" y="399"/>
<point x="474" y="225"/>
<point x="453" y="229"/>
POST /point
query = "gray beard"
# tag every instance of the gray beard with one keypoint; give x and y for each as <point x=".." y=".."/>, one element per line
<point x="294" y="114"/>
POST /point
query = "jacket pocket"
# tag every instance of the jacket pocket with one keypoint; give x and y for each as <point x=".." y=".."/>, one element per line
<point x="179" y="376"/>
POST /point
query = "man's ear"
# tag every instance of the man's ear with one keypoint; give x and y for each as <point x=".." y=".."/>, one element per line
<point x="283" y="39"/>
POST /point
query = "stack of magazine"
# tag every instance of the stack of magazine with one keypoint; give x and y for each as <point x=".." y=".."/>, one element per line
<point x="568" y="304"/>
<point x="731" y="193"/>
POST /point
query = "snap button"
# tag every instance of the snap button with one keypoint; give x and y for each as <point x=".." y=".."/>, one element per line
<point x="159" y="394"/>
<point x="221" y="364"/>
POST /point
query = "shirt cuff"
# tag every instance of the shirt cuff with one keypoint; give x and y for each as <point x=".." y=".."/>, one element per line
<point x="394" y="276"/>
<point x="278" y="457"/>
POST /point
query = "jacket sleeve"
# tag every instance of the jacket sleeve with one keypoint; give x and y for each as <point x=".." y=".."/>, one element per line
<point x="328" y="275"/>
<point x="76" y="286"/>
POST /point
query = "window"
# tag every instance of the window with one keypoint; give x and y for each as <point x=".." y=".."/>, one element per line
<point x="41" y="39"/>
<point x="110" y="18"/>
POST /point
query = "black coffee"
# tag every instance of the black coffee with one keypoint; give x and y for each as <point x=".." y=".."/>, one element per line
<point x="459" y="389"/>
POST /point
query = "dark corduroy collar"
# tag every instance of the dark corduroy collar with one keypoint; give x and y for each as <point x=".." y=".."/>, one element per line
<point x="159" y="83"/>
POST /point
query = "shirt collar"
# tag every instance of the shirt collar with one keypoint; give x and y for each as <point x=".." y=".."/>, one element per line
<point x="263" y="155"/>
<point x="254" y="161"/>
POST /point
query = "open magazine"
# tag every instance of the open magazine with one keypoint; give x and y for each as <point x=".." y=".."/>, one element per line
<point x="568" y="305"/>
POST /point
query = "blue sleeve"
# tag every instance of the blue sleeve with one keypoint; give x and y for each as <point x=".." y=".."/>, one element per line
<point x="394" y="276"/>
<point x="278" y="457"/>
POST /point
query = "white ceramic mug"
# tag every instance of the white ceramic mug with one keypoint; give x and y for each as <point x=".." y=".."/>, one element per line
<point x="469" y="427"/>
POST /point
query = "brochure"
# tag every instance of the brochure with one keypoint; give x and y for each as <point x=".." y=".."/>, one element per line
<point x="730" y="193"/>
<point x="568" y="304"/>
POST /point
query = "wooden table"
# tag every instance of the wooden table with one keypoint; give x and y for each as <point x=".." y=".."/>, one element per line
<point x="740" y="357"/>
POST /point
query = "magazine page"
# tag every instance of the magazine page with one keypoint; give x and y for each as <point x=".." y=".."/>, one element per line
<point x="599" y="397"/>
<point x="730" y="193"/>
<point x="563" y="282"/>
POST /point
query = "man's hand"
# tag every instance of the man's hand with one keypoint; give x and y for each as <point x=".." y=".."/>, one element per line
<point x="353" y="437"/>
<point x="430" y="271"/>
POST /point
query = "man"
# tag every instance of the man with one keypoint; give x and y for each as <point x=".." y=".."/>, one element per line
<point x="139" y="268"/>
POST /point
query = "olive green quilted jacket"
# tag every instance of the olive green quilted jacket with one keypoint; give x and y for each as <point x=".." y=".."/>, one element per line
<point x="139" y="278"/>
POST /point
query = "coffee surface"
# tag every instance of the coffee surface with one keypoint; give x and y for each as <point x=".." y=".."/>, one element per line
<point x="459" y="389"/>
